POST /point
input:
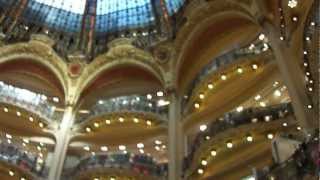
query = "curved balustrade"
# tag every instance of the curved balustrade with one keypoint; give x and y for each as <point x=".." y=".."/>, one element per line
<point x="304" y="162"/>
<point x="26" y="99"/>
<point x="141" y="164"/>
<point x="257" y="47"/>
<point x="29" y="163"/>
<point x="236" y="119"/>
<point x="133" y="103"/>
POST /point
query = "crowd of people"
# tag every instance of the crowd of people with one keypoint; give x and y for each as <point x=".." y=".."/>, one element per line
<point x="236" y="119"/>
<point x="133" y="103"/>
<point x="11" y="154"/>
<point x="141" y="164"/>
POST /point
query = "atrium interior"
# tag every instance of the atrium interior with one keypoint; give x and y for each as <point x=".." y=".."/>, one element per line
<point x="159" y="89"/>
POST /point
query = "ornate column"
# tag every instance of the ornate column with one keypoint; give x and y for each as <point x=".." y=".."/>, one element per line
<point x="288" y="51"/>
<point x="175" y="138"/>
<point x="63" y="136"/>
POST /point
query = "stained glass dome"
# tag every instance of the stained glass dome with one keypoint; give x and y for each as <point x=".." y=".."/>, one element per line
<point x="110" y="15"/>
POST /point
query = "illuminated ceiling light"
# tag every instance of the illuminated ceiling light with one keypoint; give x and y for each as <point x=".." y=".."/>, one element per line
<point x="240" y="70"/>
<point x="18" y="113"/>
<point x="210" y="86"/>
<point x="257" y="97"/>
<point x="229" y="145"/>
<point x="249" y="138"/>
<point x="197" y="105"/>
<point x="8" y="136"/>
<point x="86" y="148"/>
<point x="262" y="104"/>
<point x="160" y="93"/>
<point x="207" y="137"/>
<point x="135" y="120"/>
<point x="43" y="97"/>
<point x="96" y="124"/>
<point x="223" y="77"/>
<point x="311" y="81"/>
<point x="23" y="178"/>
<point x="292" y="3"/>
<point x="104" y="148"/>
<point x="162" y="102"/>
<point x="310" y="89"/>
<point x="203" y="127"/>
<point x="281" y="38"/>
<point x="308" y="73"/>
<point x="24" y="144"/>
<point x="31" y="119"/>
<point x="9" y="141"/>
<point x="213" y="153"/>
<point x="138" y="98"/>
<point x="239" y="109"/>
<point x="254" y="120"/>
<point x="251" y="46"/>
<point x="284" y="124"/>
<point x="295" y="19"/>
<point x="121" y="119"/>
<point x="140" y="145"/>
<point x="277" y="93"/>
<point x="308" y="38"/>
<point x="149" y="123"/>
<point x="100" y="102"/>
<point x="204" y="162"/>
<point x="55" y="99"/>
<point x="312" y="23"/>
<point x="41" y="124"/>
<point x="200" y="171"/>
<point x="309" y="106"/>
<point x="149" y="96"/>
<point x="157" y="148"/>
<point x="201" y="96"/>
<point x="141" y="151"/>
<point x="5" y="109"/>
<point x="93" y="153"/>
<point x="163" y="146"/>
<point x="275" y="84"/>
<point x="41" y="155"/>
<point x="298" y="128"/>
<point x="108" y="121"/>
<point x="270" y="136"/>
<point x="39" y="148"/>
<point x="305" y="64"/>
<point x="11" y="173"/>
<point x="96" y="179"/>
<point x="122" y="147"/>
<point x="254" y="66"/>
<point x="261" y="37"/>
<point x="185" y="97"/>
<point x="125" y="152"/>
<point x="112" y="178"/>
<point x="305" y="52"/>
<point x="88" y="129"/>
<point x="158" y="142"/>
<point x="150" y="104"/>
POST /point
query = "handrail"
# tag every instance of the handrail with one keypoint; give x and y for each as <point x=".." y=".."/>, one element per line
<point x="36" y="103"/>
<point x="235" y="119"/>
<point x="13" y="155"/>
<point x="138" y="163"/>
<point x="255" y="48"/>
<point x="132" y="103"/>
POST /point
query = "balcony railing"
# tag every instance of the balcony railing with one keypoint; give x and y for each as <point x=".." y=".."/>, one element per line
<point x="256" y="48"/>
<point x="236" y="119"/>
<point x="12" y="155"/>
<point x="133" y="103"/>
<point x="26" y="99"/>
<point x="141" y="164"/>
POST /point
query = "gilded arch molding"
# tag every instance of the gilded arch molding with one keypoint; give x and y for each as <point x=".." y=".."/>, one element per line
<point x="37" y="52"/>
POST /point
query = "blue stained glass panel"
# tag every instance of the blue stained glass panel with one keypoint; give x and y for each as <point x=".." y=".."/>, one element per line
<point x="174" y="5"/>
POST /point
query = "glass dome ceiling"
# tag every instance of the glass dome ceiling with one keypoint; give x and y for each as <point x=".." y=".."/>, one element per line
<point x="111" y="15"/>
